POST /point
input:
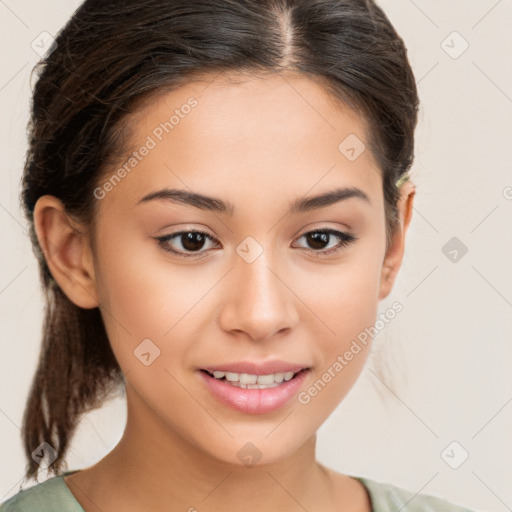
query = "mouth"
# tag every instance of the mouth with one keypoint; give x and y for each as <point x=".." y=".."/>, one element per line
<point x="253" y="381"/>
<point x="251" y="393"/>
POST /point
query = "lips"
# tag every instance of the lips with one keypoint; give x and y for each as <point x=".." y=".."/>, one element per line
<point x="254" y="401"/>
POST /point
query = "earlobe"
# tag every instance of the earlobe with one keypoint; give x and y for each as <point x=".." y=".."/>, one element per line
<point x="67" y="251"/>
<point x="394" y="255"/>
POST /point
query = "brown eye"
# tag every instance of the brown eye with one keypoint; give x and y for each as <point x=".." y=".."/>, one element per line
<point x="190" y="241"/>
<point x="319" y="239"/>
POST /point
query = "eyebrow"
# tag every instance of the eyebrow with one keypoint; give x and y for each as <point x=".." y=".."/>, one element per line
<point x="214" y="204"/>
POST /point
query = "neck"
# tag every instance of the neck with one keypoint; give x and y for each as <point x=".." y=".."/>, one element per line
<point x="176" y="475"/>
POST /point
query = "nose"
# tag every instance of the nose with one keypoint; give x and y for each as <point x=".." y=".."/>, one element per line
<point x="260" y="303"/>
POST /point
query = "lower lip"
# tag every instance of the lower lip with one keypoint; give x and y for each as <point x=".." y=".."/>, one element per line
<point x="254" y="401"/>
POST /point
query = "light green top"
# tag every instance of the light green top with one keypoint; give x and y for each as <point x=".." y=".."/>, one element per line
<point x="53" y="495"/>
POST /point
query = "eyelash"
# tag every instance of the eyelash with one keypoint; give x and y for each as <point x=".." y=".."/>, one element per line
<point x="344" y="240"/>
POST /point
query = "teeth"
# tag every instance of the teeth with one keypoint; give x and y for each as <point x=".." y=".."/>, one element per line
<point x="253" y="386"/>
<point x="251" y="381"/>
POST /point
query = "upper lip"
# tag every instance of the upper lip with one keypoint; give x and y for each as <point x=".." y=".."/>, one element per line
<point x="254" y="368"/>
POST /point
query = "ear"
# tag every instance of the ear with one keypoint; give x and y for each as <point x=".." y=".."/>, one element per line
<point x="67" y="251"/>
<point x="395" y="252"/>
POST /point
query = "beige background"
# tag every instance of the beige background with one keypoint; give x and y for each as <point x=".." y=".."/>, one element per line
<point x="449" y="350"/>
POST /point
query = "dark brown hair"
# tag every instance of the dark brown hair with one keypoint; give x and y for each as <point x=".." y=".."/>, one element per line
<point x="109" y="57"/>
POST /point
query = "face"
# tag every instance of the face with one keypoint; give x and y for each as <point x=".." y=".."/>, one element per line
<point x="187" y="286"/>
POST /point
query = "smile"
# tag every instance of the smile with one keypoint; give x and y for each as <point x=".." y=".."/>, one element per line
<point x="253" y="381"/>
<point x="254" y="394"/>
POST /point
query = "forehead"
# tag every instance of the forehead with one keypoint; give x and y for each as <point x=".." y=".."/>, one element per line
<point x="255" y="133"/>
<point x="232" y="105"/>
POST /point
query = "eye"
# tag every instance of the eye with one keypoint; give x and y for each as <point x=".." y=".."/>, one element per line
<point x="190" y="241"/>
<point x="193" y="241"/>
<point x="320" y="238"/>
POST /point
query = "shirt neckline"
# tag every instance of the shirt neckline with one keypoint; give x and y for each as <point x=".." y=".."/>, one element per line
<point x="67" y="490"/>
<point x="364" y="482"/>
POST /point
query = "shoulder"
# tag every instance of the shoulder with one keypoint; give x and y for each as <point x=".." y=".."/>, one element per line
<point x="47" y="496"/>
<point x="390" y="498"/>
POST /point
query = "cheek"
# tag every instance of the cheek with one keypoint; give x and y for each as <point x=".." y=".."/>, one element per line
<point x="344" y="296"/>
<point x="346" y="302"/>
<point x="138" y="300"/>
<point x="349" y="311"/>
<point x="146" y="296"/>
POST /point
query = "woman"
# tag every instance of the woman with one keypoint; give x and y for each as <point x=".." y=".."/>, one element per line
<point x="218" y="198"/>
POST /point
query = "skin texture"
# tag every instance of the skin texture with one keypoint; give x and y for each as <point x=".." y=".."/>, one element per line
<point x="258" y="143"/>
